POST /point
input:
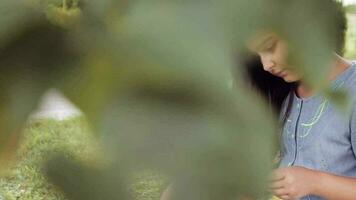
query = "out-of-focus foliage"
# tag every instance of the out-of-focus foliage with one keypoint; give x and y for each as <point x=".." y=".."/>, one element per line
<point x="351" y="33"/>
<point x="152" y="77"/>
<point x="33" y="55"/>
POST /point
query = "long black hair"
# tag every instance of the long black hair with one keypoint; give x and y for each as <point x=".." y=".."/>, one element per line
<point x="273" y="89"/>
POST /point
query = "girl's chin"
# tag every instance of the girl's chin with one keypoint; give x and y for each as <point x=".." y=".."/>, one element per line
<point x="290" y="79"/>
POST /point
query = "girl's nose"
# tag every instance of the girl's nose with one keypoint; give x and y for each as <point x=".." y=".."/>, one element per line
<point x="267" y="63"/>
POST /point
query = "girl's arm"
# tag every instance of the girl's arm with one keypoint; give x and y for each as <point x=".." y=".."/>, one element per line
<point x="335" y="187"/>
<point x="295" y="182"/>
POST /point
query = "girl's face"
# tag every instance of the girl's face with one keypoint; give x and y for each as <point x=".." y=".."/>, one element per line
<point x="273" y="54"/>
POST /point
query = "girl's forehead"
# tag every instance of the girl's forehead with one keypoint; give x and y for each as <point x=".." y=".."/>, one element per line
<point x="260" y="39"/>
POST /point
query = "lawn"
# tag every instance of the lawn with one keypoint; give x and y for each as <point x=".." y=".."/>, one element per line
<point x="24" y="181"/>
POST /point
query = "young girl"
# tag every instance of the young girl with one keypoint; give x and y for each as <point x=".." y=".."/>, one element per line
<point x="318" y="143"/>
<point x="318" y="154"/>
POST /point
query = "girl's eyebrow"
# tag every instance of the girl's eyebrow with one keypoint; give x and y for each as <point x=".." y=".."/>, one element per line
<point x="264" y="41"/>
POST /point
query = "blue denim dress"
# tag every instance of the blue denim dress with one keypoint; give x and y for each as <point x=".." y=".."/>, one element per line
<point x="317" y="136"/>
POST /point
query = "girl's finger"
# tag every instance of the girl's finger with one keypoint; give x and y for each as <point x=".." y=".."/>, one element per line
<point x="285" y="197"/>
<point x="277" y="175"/>
<point x="277" y="185"/>
<point x="280" y="192"/>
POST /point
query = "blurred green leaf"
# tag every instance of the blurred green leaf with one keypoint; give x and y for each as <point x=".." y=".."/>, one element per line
<point x="83" y="182"/>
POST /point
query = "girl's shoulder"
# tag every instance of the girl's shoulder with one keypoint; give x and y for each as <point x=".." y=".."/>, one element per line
<point x="350" y="79"/>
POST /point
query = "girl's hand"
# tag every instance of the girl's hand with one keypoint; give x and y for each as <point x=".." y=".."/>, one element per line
<point x="293" y="182"/>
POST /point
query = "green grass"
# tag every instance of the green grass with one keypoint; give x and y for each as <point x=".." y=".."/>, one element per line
<point x="24" y="181"/>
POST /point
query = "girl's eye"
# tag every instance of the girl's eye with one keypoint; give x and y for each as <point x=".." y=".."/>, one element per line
<point x="270" y="47"/>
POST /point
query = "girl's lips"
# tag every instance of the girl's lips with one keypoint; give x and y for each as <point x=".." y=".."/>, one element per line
<point x="280" y="74"/>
